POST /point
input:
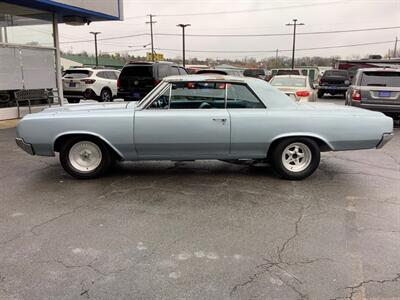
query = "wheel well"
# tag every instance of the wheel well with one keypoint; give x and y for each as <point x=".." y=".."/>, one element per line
<point x="62" y="139"/>
<point x="106" y="88"/>
<point x="323" y="146"/>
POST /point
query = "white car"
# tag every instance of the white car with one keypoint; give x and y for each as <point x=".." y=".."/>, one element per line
<point x="90" y="83"/>
<point x="298" y="87"/>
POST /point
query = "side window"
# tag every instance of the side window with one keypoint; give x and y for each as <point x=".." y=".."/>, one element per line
<point x="304" y="72"/>
<point x="163" y="71"/>
<point x="182" y="71"/>
<point x="239" y="96"/>
<point x="197" y="95"/>
<point x="102" y="75"/>
<point x="173" y="71"/>
<point x="162" y="101"/>
<point x="111" y="75"/>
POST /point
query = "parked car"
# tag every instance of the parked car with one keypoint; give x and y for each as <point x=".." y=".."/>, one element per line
<point x="137" y="79"/>
<point x="231" y="72"/>
<point x="334" y="82"/>
<point x="202" y="117"/>
<point x="300" y="88"/>
<point x="256" y="73"/>
<point x="90" y="83"/>
<point x="312" y="72"/>
<point x="376" y="89"/>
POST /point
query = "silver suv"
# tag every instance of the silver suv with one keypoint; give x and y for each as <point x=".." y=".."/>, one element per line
<point x="376" y="89"/>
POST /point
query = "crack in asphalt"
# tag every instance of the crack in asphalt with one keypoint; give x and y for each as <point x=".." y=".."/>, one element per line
<point x="354" y="289"/>
<point x="269" y="266"/>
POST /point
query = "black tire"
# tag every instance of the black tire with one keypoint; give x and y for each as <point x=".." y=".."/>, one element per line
<point x="66" y="163"/>
<point x="278" y="160"/>
<point x="320" y="94"/>
<point x="105" y="95"/>
<point x="73" y="100"/>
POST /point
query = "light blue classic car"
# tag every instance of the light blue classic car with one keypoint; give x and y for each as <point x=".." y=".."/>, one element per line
<point x="202" y="117"/>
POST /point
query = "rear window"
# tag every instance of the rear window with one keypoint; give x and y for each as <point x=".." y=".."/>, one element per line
<point x="288" y="72"/>
<point x="77" y="74"/>
<point x="379" y="78"/>
<point x="254" y="72"/>
<point x="138" y="71"/>
<point x="288" y="81"/>
<point x="336" y="73"/>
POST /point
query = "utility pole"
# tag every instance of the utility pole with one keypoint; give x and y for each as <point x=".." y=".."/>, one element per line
<point x="276" y="58"/>
<point x="95" y="45"/>
<point x="294" y="24"/>
<point x="183" y="26"/>
<point x="395" y="48"/>
<point x="151" y="22"/>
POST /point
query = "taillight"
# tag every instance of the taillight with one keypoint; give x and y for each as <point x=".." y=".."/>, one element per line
<point x="118" y="83"/>
<point x="302" y="93"/>
<point x="356" y="96"/>
<point x="88" y="81"/>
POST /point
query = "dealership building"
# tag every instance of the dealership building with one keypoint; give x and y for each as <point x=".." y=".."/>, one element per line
<point x="30" y="47"/>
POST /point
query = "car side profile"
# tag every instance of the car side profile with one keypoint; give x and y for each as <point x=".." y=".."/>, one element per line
<point x="376" y="89"/>
<point x="199" y="117"/>
<point x="90" y="83"/>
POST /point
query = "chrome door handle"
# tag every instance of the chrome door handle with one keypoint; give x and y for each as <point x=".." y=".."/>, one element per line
<point x="223" y="120"/>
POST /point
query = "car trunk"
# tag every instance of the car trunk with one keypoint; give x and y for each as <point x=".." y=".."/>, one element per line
<point x="138" y="80"/>
<point x="380" y="87"/>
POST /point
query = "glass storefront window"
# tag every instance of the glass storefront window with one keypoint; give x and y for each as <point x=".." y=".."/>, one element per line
<point x="23" y="26"/>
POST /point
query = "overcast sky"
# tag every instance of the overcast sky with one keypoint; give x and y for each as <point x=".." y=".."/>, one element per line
<point x="261" y="17"/>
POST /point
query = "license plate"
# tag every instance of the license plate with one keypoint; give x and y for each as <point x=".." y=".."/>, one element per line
<point x="72" y="84"/>
<point x="383" y="94"/>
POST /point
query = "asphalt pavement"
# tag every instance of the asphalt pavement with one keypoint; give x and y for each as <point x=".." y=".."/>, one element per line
<point x="200" y="230"/>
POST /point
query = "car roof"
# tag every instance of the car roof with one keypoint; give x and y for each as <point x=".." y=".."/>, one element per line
<point x="289" y="75"/>
<point x="379" y="69"/>
<point x="208" y="77"/>
<point x="90" y="69"/>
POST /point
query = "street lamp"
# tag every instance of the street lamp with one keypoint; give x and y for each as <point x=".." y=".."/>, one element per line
<point x="294" y="24"/>
<point x="95" y="33"/>
<point x="183" y="26"/>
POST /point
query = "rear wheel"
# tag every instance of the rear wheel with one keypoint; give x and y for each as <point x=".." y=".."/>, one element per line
<point x="296" y="158"/>
<point x="73" y="100"/>
<point x="105" y="95"/>
<point x="85" y="157"/>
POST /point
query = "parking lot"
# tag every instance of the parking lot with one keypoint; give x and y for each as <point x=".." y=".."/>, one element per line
<point x="200" y="230"/>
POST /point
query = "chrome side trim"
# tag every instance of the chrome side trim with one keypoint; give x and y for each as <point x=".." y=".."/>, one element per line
<point x="25" y="146"/>
<point x="386" y="137"/>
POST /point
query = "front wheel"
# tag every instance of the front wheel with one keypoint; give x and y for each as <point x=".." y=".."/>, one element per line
<point x="296" y="158"/>
<point x="85" y="158"/>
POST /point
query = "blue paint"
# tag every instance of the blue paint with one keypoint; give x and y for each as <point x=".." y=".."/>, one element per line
<point x="61" y="9"/>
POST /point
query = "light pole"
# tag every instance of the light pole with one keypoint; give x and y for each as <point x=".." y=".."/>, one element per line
<point x="95" y="33"/>
<point x="151" y="22"/>
<point x="294" y="24"/>
<point x="183" y="26"/>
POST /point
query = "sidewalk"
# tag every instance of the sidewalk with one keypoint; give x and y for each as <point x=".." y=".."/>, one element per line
<point x="8" y="123"/>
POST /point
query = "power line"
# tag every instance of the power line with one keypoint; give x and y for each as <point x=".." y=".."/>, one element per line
<point x="241" y="35"/>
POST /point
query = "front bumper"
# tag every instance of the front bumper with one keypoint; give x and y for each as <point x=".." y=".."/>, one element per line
<point x="386" y="137"/>
<point x="25" y="146"/>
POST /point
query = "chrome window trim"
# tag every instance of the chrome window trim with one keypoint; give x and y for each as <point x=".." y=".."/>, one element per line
<point x="162" y="91"/>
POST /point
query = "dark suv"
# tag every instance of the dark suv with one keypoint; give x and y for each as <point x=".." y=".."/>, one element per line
<point x="376" y="89"/>
<point x="137" y="79"/>
<point x="334" y="82"/>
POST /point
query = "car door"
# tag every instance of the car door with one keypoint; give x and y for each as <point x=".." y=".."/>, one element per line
<point x="248" y="122"/>
<point x="187" y="120"/>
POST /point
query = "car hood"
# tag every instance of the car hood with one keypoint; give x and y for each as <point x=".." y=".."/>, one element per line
<point x="86" y="107"/>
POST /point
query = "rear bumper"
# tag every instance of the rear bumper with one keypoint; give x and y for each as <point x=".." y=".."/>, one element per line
<point x="25" y="146"/>
<point x="386" y="137"/>
<point x="332" y="88"/>
<point x="386" y="108"/>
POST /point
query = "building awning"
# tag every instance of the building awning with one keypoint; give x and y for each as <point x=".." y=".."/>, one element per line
<point x="64" y="10"/>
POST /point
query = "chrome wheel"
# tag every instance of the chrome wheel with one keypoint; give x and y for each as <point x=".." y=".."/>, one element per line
<point x="296" y="157"/>
<point x="85" y="156"/>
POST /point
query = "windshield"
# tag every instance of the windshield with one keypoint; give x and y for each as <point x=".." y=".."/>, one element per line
<point x="288" y="81"/>
<point x="77" y="74"/>
<point x="381" y="78"/>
